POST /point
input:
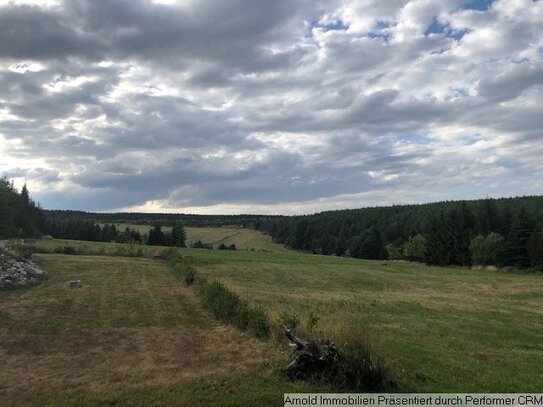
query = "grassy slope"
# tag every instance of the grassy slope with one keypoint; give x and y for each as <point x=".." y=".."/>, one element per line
<point x="131" y="335"/>
<point x="444" y="329"/>
<point x="244" y="239"/>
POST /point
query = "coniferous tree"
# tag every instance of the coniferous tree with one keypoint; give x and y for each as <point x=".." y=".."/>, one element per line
<point x="518" y="240"/>
<point x="19" y="215"/>
<point x="341" y="243"/>
<point x="156" y="236"/>
<point x="488" y="217"/>
<point x="437" y="242"/>
<point x="178" y="235"/>
<point x="535" y="249"/>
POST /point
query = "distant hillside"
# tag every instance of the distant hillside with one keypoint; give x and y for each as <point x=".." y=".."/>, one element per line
<point x="439" y="233"/>
<point x="164" y="219"/>
<point x="503" y="232"/>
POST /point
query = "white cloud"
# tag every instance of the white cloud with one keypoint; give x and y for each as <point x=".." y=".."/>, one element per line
<point x="282" y="106"/>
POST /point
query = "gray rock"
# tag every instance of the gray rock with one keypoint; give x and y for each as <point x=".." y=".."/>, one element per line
<point x="15" y="273"/>
<point x="75" y="284"/>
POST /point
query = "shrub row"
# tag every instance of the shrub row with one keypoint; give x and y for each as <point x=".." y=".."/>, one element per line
<point x="228" y="307"/>
<point x="225" y="305"/>
<point x="122" y="251"/>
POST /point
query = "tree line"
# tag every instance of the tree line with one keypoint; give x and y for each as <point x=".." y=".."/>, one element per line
<point x="94" y="232"/>
<point x="501" y="232"/>
<point x="164" y="219"/>
<point x="20" y="216"/>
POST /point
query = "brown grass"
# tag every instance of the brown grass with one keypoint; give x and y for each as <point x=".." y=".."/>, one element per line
<point x="105" y="360"/>
<point x="166" y="339"/>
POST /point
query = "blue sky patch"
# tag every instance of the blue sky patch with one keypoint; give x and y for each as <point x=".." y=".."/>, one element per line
<point x="460" y="92"/>
<point x="480" y="5"/>
<point x="380" y="31"/>
<point x="413" y="138"/>
<point x="338" y="25"/>
<point x="437" y="27"/>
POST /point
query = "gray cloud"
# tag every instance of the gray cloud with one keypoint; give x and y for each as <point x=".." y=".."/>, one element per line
<point x="114" y="103"/>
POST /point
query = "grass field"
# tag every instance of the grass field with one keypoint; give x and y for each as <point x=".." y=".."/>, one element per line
<point x="244" y="239"/>
<point x="132" y="335"/>
<point x="439" y="329"/>
<point x="442" y="329"/>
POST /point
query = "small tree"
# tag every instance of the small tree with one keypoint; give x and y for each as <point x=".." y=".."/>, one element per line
<point x="489" y="250"/>
<point x="156" y="236"/>
<point x="178" y="235"/>
<point x="394" y="252"/>
<point x="415" y="248"/>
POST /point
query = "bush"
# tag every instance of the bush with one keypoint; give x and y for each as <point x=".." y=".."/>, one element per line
<point x="66" y="250"/>
<point x="225" y="305"/>
<point x="187" y="273"/>
<point x="228" y="307"/>
<point x="288" y="319"/>
<point x="489" y="250"/>
<point x="222" y="246"/>
<point x="311" y="321"/>
<point x="258" y="323"/>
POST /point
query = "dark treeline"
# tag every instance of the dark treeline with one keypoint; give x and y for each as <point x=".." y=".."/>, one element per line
<point x="91" y="231"/>
<point x="501" y="232"/>
<point x="20" y="216"/>
<point x="165" y="219"/>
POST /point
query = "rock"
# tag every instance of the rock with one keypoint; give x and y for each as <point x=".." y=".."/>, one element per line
<point x="75" y="284"/>
<point x="15" y="273"/>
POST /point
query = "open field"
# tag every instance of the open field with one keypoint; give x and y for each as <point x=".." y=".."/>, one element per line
<point x="133" y="334"/>
<point x="244" y="239"/>
<point x="440" y="329"/>
<point x="443" y="329"/>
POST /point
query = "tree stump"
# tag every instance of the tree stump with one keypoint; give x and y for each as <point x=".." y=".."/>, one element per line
<point x="312" y="360"/>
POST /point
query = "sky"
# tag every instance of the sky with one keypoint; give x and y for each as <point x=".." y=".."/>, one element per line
<point x="273" y="107"/>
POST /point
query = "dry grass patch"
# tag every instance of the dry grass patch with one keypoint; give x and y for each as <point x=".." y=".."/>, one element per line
<point x="107" y="360"/>
<point x="132" y="326"/>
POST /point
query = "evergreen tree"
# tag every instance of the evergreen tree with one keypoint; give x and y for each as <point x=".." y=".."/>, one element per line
<point x="518" y="240"/>
<point x="156" y="236"/>
<point x="437" y="242"/>
<point x="488" y="217"/>
<point x="535" y="249"/>
<point x="19" y="215"/>
<point x="341" y="243"/>
<point x="369" y="245"/>
<point x="178" y="235"/>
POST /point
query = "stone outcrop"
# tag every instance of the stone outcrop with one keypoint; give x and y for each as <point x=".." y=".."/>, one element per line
<point x="16" y="273"/>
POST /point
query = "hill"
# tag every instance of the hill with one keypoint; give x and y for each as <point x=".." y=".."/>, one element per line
<point x="439" y="329"/>
<point x="446" y="230"/>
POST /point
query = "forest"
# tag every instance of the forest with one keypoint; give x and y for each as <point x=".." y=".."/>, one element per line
<point x="505" y="232"/>
<point x="20" y="216"/>
<point x="500" y="232"/>
<point x="165" y="219"/>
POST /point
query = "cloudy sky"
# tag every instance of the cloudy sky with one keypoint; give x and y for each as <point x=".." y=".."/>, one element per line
<point x="283" y="106"/>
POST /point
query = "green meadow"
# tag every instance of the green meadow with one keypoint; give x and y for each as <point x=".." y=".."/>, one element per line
<point x="134" y="334"/>
<point x="244" y="239"/>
